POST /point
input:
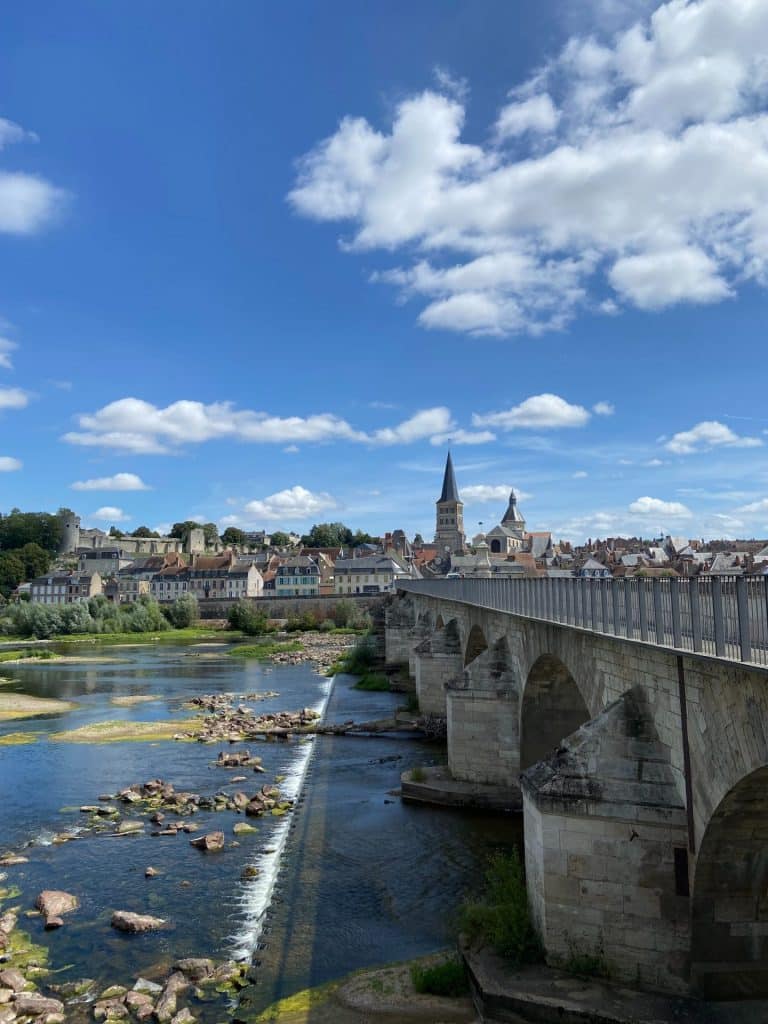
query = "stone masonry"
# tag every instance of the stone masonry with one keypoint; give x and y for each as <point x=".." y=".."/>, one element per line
<point x="618" y="865"/>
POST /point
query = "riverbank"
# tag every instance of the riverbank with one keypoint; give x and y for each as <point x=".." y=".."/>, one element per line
<point x="18" y="705"/>
<point x="378" y="996"/>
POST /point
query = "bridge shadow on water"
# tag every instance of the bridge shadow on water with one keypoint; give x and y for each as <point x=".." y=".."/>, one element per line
<point x="366" y="879"/>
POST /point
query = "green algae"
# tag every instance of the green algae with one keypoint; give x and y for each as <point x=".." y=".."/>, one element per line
<point x="25" y="955"/>
<point x="15" y="739"/>
<point x="301" y="1002"/>
<point x="10" y="892"/>
<point x="127" y="732"/>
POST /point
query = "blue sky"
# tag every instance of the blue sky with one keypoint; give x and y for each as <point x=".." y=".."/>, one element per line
<point x="263" y="264"/>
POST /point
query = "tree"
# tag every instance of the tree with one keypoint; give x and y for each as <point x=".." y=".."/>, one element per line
<point x="183" y="530"/>
<point x="183" y="612"/>
<point x="11" y="572"/>
<point x="36" y="560"/>
<point x="144" y="531"/>
<point x="280" y="539"/>
<point x="361" y="537"/>
<point x="246" y="617"/>
<point x="233" y="537"/>
<point x="117" y="534"/>
<point x="20" y="528"/>
<point x="327" y="535"/>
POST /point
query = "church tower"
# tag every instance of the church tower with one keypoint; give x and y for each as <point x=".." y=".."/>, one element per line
<point x="449" y="527"/>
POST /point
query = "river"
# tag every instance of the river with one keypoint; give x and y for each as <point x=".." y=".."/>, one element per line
<point x="351" y="878"/>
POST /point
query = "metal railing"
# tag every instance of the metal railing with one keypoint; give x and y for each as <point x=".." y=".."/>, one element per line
<point x="721" y="616"/>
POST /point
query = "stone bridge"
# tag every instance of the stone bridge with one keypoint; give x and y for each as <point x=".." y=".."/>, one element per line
<point x="634" y="717"/>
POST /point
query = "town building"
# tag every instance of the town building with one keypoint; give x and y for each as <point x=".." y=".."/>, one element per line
<point x="298" y="576"/>
<point x="207" y="578"/>
<point x="105" y="561"/>
<point x="65" y="588"/>
<point x="368" y="575"/>
<point x="449" y="517"/>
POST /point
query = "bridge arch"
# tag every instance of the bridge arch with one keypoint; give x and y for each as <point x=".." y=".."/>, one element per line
<point x="476" y="644"/>
<point x="439" y="624"/>
<point x="729" y="911"/>
<point x="551" y="709"/>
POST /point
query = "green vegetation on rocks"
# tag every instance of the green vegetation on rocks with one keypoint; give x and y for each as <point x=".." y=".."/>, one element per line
<point x="373" y="681"/>
<point x="445" y="979"/>
<point x="501" y="916"/>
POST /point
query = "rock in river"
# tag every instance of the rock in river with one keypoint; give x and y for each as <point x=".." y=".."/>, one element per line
<point x="210" y="842"/>
<point x="125" y="921"/>
<point x="53" y="904"/>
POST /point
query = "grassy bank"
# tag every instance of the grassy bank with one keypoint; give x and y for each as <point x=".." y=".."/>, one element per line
<point x="169" y="635"/>
<point x="19" y="705"/>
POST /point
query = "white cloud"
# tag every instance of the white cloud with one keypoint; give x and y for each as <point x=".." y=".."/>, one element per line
<point x="653" y="280"/>
<point x="424" y="424"/>
<point x="27" y="203"/>
<point x="580" y="474"/>
<point x="603" y="409"/>
<point x="639" y="162"/>
<point x="294" y="504"/>
<point x="13" y="398"/>
<point x="110" y="514"/>
<point x="708" y="434"/>
<point x="8" y="464"/>
<point x="539" y="412"/>
<point x="755" y="506"/>
<point x="535" y="114"/>
<point x="478" y="494"/>
<point x="653" y="463"/>
<point x="117" y="482"/>
<point x="656" y="507"/>
<point x="133" y="425"/>
<point x="6" y="347"/>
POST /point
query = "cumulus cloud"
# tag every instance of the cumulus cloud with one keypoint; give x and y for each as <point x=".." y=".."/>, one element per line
<point x="110" y="514"/>
<point x="478" y="494"/>
<point x="295" y="504"/>
<point x="117" y="482"/>
<point x="8" y="464"/>
<point x="133" y="425"/>
<point x="534" y="114"/>
<point x="706" y="435"/>
<point x="6" y="347"/>
<point x="656" y="507"/>
<point x="755" y="506"/>
<point x="13" y="398"/>
<point x="539" y="412"/>
<point x="638" y="166"/>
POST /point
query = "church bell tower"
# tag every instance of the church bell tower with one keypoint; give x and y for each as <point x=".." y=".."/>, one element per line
<point x="449" y="526"/>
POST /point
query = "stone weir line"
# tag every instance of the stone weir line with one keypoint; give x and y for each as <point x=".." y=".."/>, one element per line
<point x="633" y="716"/>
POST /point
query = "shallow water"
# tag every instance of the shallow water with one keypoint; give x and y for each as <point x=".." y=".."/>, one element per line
<point x="360" y="879"/>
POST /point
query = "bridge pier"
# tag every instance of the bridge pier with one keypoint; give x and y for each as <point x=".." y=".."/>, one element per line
<point x="606" y="851"/>
<point x="483" y="721"/>
<point x="398" y="635"/>
<point x="438" y="661"/>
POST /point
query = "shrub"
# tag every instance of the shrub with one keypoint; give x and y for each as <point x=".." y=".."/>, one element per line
<point x="362" y="658"/>
<point x="446" y="979"/>
<point x="418" y="774"/>
<point x="183" y="613"/>
<point x="501" y="916"/>
<point x="343" y="613"/>
<point x="249" y="619"/>
<point x="327" y="626"/>
<point x="300" y="623"/>
<point x="373" y="681"/>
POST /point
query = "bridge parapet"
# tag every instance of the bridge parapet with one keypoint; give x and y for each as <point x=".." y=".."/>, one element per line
<point x="722" y="617"/>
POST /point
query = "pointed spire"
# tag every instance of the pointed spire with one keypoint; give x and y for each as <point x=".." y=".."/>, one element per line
<point x="512" y="515"/>
<point x="450" y="490"/>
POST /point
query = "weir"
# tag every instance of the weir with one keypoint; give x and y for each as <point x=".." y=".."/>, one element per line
<point x="631" y="715"/>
